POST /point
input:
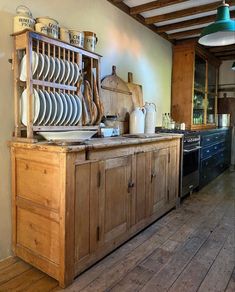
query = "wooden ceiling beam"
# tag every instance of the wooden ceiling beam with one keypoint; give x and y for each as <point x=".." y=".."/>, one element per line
<point x="153" y="5"/>
<point x="185" y="33"/>
<point x="122" y="6"/>
<point x="226" y="58"/>
<point x="221" y="54"/>
<point x="186" y="12"/>
<point x="222" y="49"/>
<point x="191" y="22"/>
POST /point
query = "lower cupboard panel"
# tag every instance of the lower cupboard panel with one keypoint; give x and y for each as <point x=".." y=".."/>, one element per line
<point x="37" y="261"/>
<point x="38" y="234"/>
<point x="85" y="263"/>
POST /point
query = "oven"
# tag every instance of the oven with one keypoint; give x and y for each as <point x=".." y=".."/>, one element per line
<point x="190" y="163"/>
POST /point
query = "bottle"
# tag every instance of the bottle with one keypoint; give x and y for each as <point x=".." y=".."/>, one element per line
<point x="163" y="121"/>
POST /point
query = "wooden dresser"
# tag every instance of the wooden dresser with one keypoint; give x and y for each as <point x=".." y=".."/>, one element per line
<point x="73" y="205"/>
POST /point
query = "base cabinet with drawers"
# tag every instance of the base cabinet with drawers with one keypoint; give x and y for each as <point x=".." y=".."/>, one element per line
<point x="215" y="154"/>
<point x="73" y="205"/>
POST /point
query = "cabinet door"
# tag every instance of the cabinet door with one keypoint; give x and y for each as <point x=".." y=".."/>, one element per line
<point x="173" y="174"/>
<point x="114" y="198"/>
<point x="159" y="176"/>
<point x="86" y="208"/>
<point x="140" y="198"/>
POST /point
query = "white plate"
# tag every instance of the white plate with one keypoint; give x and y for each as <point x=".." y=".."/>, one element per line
<point x="42" y="112"/>
<point x="46" y="67"/>
<point x="57" y="69"/>
<point x="67" y="71"/>
<point x="60" y="108"/>
<point x="51" y="69"/>
<point x="70" y="109"/>
<point x="62" y="71"/>
<point x="65" y="107"/>
<point x="40" y="65"/>
<point x="71" y="75"/>
<point x="75" y="110"/>
<point x="23" y="67"/>
<point x="24" y="107"/>
<point x="54" y="108"/>
<point x="69" y="135"/>
<point x="48" y="108"/>
<point x="79" y="107"/>
<point x="76" y="73"/>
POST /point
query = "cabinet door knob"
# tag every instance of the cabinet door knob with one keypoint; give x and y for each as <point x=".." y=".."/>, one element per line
<point x="153" y="175"/>
<point x="130" y="186"/>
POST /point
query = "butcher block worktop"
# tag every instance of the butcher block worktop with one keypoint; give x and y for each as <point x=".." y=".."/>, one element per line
<point x="98" y="143"/>
<point x="72" y="205"/>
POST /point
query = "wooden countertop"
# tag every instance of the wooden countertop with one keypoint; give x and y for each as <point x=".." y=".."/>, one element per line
<point x="96" y="143"/>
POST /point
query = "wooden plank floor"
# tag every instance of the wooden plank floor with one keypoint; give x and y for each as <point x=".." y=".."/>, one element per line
<point x="190" y="249"/>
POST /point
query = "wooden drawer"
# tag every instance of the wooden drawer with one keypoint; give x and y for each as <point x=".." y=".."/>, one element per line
<point x="39" y="234"/>
<point x="38" y="182"/>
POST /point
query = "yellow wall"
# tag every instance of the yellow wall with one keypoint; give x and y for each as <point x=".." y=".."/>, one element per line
<point x="122" y="41"/>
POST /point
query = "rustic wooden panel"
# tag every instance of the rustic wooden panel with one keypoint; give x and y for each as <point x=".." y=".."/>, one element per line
<point x="38" y="234"/>
<point x="38" y="182"/>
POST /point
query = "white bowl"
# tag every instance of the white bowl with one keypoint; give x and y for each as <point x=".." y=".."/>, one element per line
<point x="68" y="135"/>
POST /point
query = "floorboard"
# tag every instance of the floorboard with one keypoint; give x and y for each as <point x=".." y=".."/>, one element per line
<point x="190" y="249"/>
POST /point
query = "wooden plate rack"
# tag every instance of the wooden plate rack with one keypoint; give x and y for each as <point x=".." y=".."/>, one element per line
<point x="25" y="43"/>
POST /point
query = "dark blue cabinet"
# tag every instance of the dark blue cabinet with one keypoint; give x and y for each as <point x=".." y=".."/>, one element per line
<point x="215" y="154"/>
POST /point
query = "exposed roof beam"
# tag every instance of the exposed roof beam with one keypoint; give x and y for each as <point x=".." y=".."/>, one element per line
<point x="191" y="22"/>
<point x="222" y="49"/>
<point x="122" y="6"/>
<point x="230" y="57"/>
<point x="221" y="54"/>
<point x="153" y="5"/>
<point x="185" y="33"/>
<point x="186" y="12"/>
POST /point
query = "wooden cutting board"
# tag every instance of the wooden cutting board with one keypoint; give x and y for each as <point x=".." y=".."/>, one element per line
<point x="136" y="90"/>
<point x="116" y="96"/>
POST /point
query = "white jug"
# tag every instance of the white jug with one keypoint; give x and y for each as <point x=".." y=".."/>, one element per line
<point x="137" y="120"/>
<point x="150" y="118"/>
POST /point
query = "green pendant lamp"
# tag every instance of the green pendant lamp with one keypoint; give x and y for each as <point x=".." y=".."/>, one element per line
<point x="233" y="66"/>
<point x="222" y="31"/>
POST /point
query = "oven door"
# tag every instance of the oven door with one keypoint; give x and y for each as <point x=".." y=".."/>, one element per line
<point x="190" y="177"/>
<point x="191" y="160"/>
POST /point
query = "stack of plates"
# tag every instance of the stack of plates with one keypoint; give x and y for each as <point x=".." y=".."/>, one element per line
<point x="50" y="69"/>
<point x="52" y="108"/>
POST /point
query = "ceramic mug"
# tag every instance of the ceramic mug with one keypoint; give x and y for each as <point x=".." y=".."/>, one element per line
<point x="76" y="38"/>
<point x="64" y="35"/>
<point x="42" y="28"/>
<point x="90" y="41"/>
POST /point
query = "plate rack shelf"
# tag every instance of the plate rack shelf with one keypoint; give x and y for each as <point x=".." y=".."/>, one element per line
<point x="27" y="42"/>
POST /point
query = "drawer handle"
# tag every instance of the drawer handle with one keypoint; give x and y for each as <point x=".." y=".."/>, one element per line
<point x="26" y="166"/>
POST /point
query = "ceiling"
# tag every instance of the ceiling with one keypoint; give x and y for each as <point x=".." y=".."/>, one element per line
<point x="178" y="20"/>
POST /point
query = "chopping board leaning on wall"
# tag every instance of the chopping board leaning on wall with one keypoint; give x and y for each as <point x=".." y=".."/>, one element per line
<point x="136" y="90"/>
<point x="116" y="97"/>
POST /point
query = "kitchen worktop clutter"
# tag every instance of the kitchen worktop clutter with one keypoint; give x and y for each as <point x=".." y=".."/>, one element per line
<point x="50" y="27"/>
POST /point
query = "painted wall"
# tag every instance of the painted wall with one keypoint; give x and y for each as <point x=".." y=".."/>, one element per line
<point x="122" y="41"/>
<point x="227" y="76"/>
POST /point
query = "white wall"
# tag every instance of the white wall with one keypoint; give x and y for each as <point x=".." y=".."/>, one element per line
<point x="122" y="41"/>
<point x="227" y="76"/>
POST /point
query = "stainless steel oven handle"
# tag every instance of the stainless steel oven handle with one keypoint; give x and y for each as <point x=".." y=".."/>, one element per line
<point x="192" y="150"/>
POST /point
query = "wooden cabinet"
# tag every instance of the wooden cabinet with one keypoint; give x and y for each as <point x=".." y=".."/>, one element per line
<point x="194" y="86"/>
<point x="73" y="205"/>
